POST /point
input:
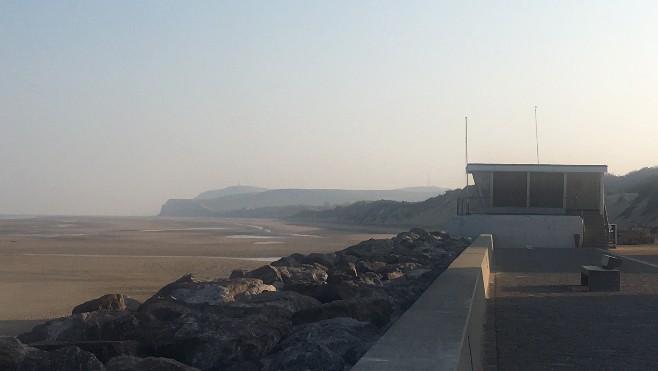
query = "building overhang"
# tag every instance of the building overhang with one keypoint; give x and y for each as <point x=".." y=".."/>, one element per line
<point x="536" y="168"/>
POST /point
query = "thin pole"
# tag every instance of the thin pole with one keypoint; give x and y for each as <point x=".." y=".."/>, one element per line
<point x="466" y="168"/>
<point x="536" y="135"/>
<point x="466" y="139"/>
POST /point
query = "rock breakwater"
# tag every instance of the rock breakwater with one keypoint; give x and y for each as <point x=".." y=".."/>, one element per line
<point x="315" y="312"/>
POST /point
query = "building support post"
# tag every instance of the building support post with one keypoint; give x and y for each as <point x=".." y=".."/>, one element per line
<point x="527" y="190"/>
<point x="564" y="193"/>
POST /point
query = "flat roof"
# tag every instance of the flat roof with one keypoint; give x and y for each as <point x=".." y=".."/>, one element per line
<point x="539" y="168"/>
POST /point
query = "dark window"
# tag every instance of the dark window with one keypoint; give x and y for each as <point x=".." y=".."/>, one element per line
<point x="509" y="189"/>
<point x="546" y="190"/>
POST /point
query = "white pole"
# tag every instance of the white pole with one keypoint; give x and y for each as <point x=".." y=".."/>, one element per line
<point x="536" y="135"/>
<point x="466" y="168"/>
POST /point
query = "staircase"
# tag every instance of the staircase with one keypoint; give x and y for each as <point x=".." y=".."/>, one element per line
<point x="595" y="233"/>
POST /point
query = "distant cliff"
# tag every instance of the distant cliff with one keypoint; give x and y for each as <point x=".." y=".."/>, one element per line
<point x="256" y="202"/>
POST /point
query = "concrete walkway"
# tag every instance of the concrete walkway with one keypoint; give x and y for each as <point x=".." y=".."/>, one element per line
<point x="544" y="319"/>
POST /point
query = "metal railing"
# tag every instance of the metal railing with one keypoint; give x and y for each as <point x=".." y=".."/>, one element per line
<point x="482" y="205"/>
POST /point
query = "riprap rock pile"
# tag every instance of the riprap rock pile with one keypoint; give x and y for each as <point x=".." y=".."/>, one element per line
<point x="315" y="312"/>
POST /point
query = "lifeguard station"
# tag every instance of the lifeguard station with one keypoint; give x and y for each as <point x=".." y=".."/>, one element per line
<point x="535" y="205"/>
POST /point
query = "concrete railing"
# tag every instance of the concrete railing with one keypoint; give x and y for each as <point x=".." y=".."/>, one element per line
<point x="443" y="329"/>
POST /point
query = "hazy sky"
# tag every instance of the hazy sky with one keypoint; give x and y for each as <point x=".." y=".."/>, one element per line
<point x="112" y="107"/>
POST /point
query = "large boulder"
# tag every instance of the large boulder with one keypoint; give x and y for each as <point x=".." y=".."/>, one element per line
<point x="374" y="310"/>
<point x="105" y="302"/>
<point x="104" y="350"/>
<point x="211" y="342"/>
<point x="305" y="274"/>
<point x="267" y="273"/>
<point x="306" y="356"/>
<point x="346" y="337"/>
<point x="128" y="363"/>
<point x="371" y="249"/>
<point x="326" y="260"/>
<point x="289" y="300"/>
<point x="69" y="358"/>
<point x="292" y="260"/>
<point x="99" y="325"/>
<point x="13" y="352"/>
<point x="189" y="289"/>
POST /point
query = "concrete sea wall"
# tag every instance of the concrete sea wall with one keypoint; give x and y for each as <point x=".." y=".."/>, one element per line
<point x="444" y="328"/>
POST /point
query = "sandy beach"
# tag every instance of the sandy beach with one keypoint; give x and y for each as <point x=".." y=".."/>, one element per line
<point x="48" y="265"/>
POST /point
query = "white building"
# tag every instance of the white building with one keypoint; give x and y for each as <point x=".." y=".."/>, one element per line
<point x="535" y="205"/>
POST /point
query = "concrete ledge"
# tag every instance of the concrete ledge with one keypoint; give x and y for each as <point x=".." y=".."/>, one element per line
<point x="443" y="330"/>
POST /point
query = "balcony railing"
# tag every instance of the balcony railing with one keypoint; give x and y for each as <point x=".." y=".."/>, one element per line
<point x="484" y="205"/>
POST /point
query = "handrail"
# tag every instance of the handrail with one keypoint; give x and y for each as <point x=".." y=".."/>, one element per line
<point x="607" y="222"/>
<point x="475" y="205"/>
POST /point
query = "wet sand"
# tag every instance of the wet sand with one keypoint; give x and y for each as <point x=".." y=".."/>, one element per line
<point x="49" y="265"/>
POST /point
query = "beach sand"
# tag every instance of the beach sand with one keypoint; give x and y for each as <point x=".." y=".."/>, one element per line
<point x="48" y="265"/>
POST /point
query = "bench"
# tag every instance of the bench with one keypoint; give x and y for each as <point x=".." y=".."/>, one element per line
<point x="605" y="277"/>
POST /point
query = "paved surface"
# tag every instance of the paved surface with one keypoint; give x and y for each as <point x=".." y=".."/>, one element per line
<point x="648" y="253"/>
<point x="547" y="321"/>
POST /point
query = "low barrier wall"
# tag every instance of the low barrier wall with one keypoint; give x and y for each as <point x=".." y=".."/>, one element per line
<point x="443" y="329"/>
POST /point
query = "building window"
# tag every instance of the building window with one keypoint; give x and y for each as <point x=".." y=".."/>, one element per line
<point x="509" y="189"/>
<point x="546" y="190"/>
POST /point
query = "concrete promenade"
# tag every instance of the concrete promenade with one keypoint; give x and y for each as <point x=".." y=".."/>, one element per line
<point x="544" y="320"/>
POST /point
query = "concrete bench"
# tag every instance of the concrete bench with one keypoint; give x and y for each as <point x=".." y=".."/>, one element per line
<point x="605" y="277"/>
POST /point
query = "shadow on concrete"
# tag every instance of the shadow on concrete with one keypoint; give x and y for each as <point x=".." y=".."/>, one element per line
<point x="544" y="259"/>
<point x="577" y="332"/>
<point x="546" y="289"/>
<point x="549" y="260"/>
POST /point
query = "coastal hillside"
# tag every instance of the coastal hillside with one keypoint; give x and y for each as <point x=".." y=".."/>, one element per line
<point x="433" y="212"/>
<point x="281" y="202"/>
<point x="632" y="199"/>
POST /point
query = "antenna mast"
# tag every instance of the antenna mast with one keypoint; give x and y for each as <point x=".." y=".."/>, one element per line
<point x="536" y="135"/>
<point x="466" y="167"/>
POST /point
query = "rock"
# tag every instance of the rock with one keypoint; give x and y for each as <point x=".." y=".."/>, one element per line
<point x="305" y="274"/>
<point x="131" y="304"/>
<point x="392" y="275"/>
<point x="13" y="352"/>
<point x="165" y="309"/>
<point x="69" y="358"/>
<point x="267" y="273"/>
<point x="347" y="337"/>
<point x="189" y="289"/>
<point x="104" y="350"/>
<point x="128" y="363"/>
<point x="417" y="274"/>
<point x="99" y="325"/>
<point x="371" y="278"/>
<point x="326" y="260"/>
<point x="238" y="273"/>
<point x="289" y="300"/>
<point x="211" y="342"/>
<point x="306" y="356"/>
<point x="374" y="310"/>
<point x="364" y="266"/>
<point x="289" y="261"/>
<point x="343" y="271"/>
<point x="371" y="249"/>
<point x="105" y="302"/>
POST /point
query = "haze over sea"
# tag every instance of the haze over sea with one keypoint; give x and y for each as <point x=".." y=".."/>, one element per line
<point x="111" y="108"/>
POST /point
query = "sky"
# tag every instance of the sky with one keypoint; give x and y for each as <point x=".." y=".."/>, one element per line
<point x="113" y="107"/>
